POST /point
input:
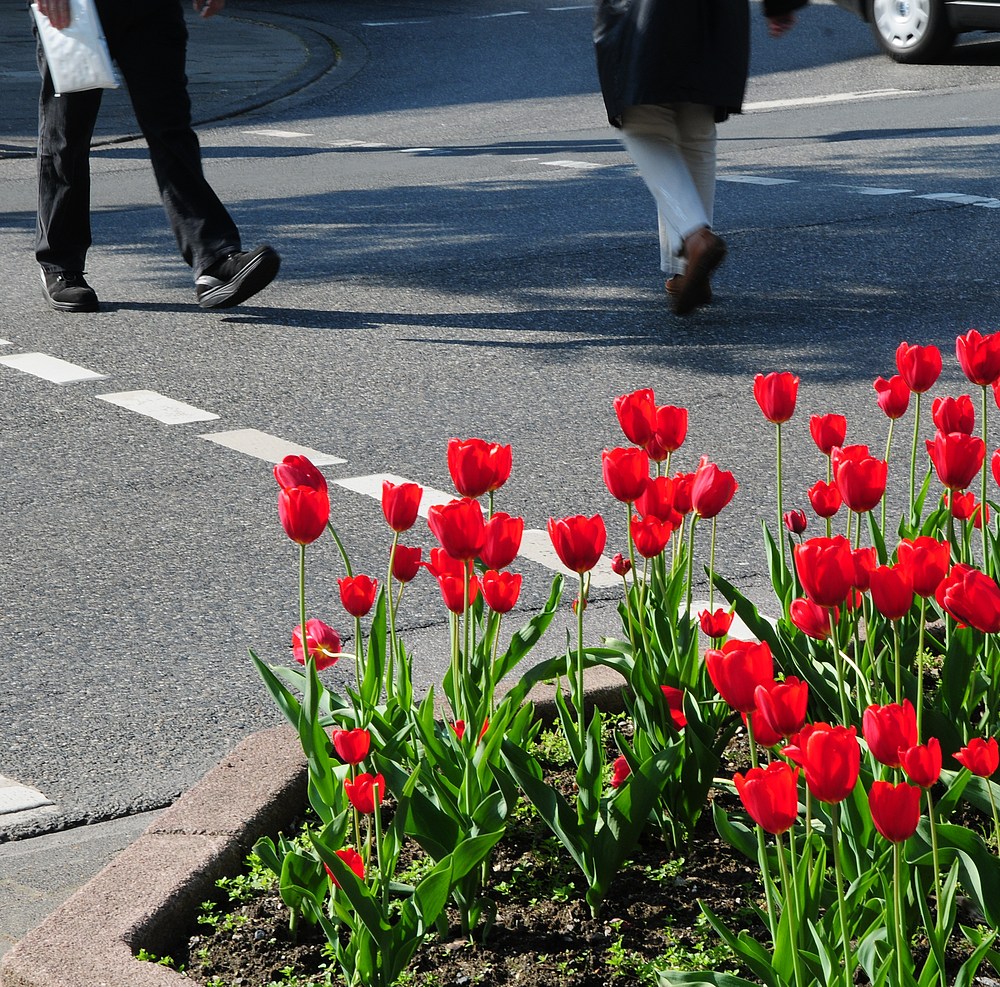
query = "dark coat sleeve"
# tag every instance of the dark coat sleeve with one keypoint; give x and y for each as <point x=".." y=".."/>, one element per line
<point x="776" y="8"/>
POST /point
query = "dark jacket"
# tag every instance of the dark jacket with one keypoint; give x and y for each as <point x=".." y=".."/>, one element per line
<point x="675" y="51"/>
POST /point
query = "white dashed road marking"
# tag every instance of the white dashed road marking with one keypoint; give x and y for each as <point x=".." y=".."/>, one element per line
<point x="391" y="23"/>
<point x="15" y="797"/>
<point x="49" y="368"/>
<point x="756" y="180"/>
<point x="371" y="486"/>
<point x="966" y="200"/>
<point x="873" y="190"/>
<point x="573" y="164"/>
<point x="270" y="448"/>
<point x="537" y="546"/>
<point x="785" y="104"/>
<point x="508" y="13"/>
<point x="5" y="342"/>
<point x="276" y="133"/>
<point x="153" y="405"/>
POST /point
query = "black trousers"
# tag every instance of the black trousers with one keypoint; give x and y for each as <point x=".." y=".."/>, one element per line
<point x="148" y="41"/>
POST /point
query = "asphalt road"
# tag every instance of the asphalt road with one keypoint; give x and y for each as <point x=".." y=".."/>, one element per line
<point x="467" y="251"/>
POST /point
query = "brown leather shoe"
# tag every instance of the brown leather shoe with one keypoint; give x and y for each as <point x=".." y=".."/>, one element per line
<point x="704" y="251"/>
<point x="675" y="285"/>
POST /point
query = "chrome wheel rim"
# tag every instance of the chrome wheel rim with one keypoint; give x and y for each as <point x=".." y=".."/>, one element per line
<point x="902" y="24"/>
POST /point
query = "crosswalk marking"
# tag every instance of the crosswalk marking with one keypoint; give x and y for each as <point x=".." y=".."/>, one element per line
<point x="371" y="486"/>
<point x="756" y="180"/>
<point x="49" y="368"/>
<point x="154" y="405"/>
<point x="277" y="133"/>
<point x="537" y="546"/>
<point x="15" y="797"/>
<point x="270" y="448"/>
<point x="567" y="163"/>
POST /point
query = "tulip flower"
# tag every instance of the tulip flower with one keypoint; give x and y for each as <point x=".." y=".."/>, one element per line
<point x="995" y="466"/>
<point x="459" y="527"/>
<point x="810" y="618"/>
<point x="893" y="396"/>
<point x="657" y="500"/>
<point x="889" y="729"/>
<point x="626" y="473"/>
<point x="365" y="792"/>
<point x="981" y="757"/>
<point x="649" y="535"/>
<point x="322" y="642"/>
<point x="825" y="498"/>
<point x="760" y="729"/>
<point x="783" y="705"/>
<point x="357" y="594"/>
<point x="578" y="540"/>
<point x="637" y="415"/>
<point x="775" y="394"/>
<point x="859" y="476"/>
<point x="621" y="565"/>
<point x="865" y="560"/>
<point x="304" y="513"/>
<point x="405" y="563"/>
<point x="830" y="757"/>
<point x="796" y="521"/>
<point x="957" y="458"/>
<point x="683" y="485"/>
<point x="669" y="432"/>
<point x="352" y="746"/>
<point x="501" y="590"/>
<point x="826" y="569"/>
<point x="715" y="624"/>
<point x="737" y="668"/>
<point x="922" y="762"/>
<point x="770" y="795"/>
<point x="962" y="504"/>
<point x="458" y="728"/>
<point x="979" y="357"/>
<point x="892" y="591"/>
<point x="353" y="859"/>
<point x="675" y="703"/>
<point x="712" y="489"/>
<point x="895" y="809"/>
<point x="400" y="504"/>
<point x="298" y="471"/>
<point x="828" y="432"/>
<point x="453" y="591"/>
<point x="478" y="466"/>
<point x="443" y="564"/>
<point x="620" y="770"/>
<point x="919" y="366"/>
<point x="972" y="598"/>
<point x="954" y="414"/>
<point x="927" y="561"/>
<point x="502" y="540"/>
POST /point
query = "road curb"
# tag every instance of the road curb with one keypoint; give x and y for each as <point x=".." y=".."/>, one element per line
<point x="146" y="896"/>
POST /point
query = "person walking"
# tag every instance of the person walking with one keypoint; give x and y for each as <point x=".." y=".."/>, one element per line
<point x="148" y="41"/>
<point x="669" y="71"/>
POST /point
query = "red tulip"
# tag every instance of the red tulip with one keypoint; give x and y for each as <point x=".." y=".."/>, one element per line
<point x="578" y="540"/>
<point x="763" y="735"/>
<point x="922" y="762"/>
<point x="357" y="594"/>
<point x="458" y="727"/>
<point x="453" y="591"/>
<point x="405" y="563"/>
<point x="717" y="624"/>
<point x="825" y="498"/>
<point x="683" y="486"/>
<point x="927" y="561"/>
<point x="981" y="757"/>
<point x="304" y="513"/>
<point x="830" y="757"/>
<point x="954" y="414"/>
<point x="972" y="598"/>
<point x="783" y="705"/>
<point x="826" y="569"/>
<point x="889" y="729"/>
<point x="920" y="366"/>
<point x="977" y="515"/>
<point x="995" y="466"/>
<point x="957" y="458"/>
<point x="658" y="499"/>
<point x="459" y="527"/>
<point x="322" y="641"/>
<point x="298" y="471"/>
<point x="859" y="476"/>
<point x="400" y="504"/>
<point x="895" y="809"/>
<point x="443" y="564"/>
<point x="478" y="466"/>
<point x="865" y="560"/>
<point x="365" y="792"/>
<point x="670" y="431"/>
<point x="775" y="395"/>
<point x="649" y="535"/>
<point x="501" y="590"/>
<point x="502" y="541"/>
<point x="675" y="703"/>
<point x="893" y="396"/>
<point x="737" y="668"/>
<point x="352" y="746"/>
<point x="626" y="473"/>
<point x="621" y="565"/>
<point x="796" y="521"/>
<point x="979" y="357"/>
<point x="828" y="432"/>
<point x="812" y="619"/>
<point x="770" y="795"/>
<point x="961" y="504"/>
<point x="712" y="489"/>
<point x="620" y="770"/>
<point x="353" y="859"/>
<point x="892" y="591"/>
<point x="637" y="415"/>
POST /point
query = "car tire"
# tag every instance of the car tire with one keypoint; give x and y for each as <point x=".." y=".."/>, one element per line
<point x="911" y="31"/>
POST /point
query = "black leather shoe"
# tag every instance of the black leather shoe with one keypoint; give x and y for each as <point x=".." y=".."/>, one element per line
<point x="235" y="278"/>
<point x="68" y="291"/>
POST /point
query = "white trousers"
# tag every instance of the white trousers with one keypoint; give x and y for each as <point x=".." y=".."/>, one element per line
<point x="673" y="146"/>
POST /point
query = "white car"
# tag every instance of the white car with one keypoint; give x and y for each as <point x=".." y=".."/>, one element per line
<point x="923" y="30"/>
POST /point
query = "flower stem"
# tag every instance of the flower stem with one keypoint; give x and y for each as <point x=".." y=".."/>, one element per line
<point x="841" y="902"/>
<point x="920" y="669"/>
<point x="765" y="870"/>
<point x="934" y="853"/>
<point x="993" y="806"/>
<point x="982" y="504"/>
<point x="913" y="454"/>
<point x="839" y="658"/>
<point x="711" y="566"/>
<point x="898" y="908"/>
<point x="790" y="903"/>
<point x="781" y="520"/>
<point x="888" y="447"/>
<point x="581" y="721"/>
<point x="899" y="674"/>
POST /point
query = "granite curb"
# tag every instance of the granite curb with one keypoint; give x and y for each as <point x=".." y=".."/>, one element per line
<point x="146" y="896"/>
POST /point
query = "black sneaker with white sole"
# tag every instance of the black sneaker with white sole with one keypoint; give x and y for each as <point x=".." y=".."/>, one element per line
<point x="235" y="278"/>
<point x="68" y="291"/>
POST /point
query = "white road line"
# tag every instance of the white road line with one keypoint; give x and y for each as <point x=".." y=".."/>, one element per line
<point x="5" y="342"/>
<point x="784" y="104"/>
<point x="508" y="13"/>
<point x="874" y="190"/>
<point x="15" y="797"/>
<point x="270" y="448"/>
<point x="566" y="163"/>
<point x="756" y="180"/>
<point x="371" y="486"/>
<point x="346" y="142"/>
<point x="390" y="23"/>
<point x="50" y="368"/>
<point x="537" y="546"/>
<point x="158" y="406"/>
<point x="957" y="197"/>
<point x="414" y="150"/>
<point x="581" y="6"/>
<point x="277" y="133"/>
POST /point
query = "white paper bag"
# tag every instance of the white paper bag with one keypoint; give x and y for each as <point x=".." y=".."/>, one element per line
<point x="78" y="56"/>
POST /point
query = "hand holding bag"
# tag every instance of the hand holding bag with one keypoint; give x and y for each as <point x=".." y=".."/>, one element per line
<point x="78" y="56"/>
